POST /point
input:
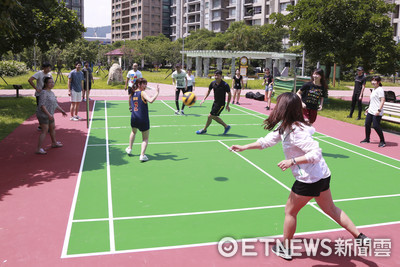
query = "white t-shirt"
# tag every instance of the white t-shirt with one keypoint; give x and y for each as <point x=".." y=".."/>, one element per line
<point x="299" y="142"/>
<point x="179" y="78"/>
<point x="133" y="76"/>
<point x="375" y="101"/>
<point x="39" y="76"/>
<point x="190" y="80"/>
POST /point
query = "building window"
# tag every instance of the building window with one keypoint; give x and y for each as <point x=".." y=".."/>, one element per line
<point x="232" y="13"/>
<point x="257" y="10"/>
<point x="283" y="6"/>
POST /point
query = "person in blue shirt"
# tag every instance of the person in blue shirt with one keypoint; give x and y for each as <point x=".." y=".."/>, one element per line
<point x="138" y="100"/>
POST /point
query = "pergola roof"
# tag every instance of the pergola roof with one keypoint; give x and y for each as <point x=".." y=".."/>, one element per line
<point x="116" y="52"/>
<point x="236" y="54"/>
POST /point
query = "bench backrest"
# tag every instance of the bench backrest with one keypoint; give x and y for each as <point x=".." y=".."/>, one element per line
<point x="391" y="108"/>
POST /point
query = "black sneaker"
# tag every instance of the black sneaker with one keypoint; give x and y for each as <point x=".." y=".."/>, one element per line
<point x="365" y="240"/>
<point x="364" y="141"/>
<point x="283" y="253"/>
<point x="382" y="144"/>
<point x="349" y="116"/>
<point x="358" y="118"/>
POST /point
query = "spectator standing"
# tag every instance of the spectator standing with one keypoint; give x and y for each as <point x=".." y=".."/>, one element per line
<point x="87" y="71"/>
<point x="75" y="85"/>
<point x="359" y="87"/>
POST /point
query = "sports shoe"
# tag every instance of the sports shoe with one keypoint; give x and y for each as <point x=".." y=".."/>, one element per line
<point x="364" y="141"/>
<point x="281" y="252"/>
<point x="349" y="116"/>
<point x="39" y="128"/>
<point x="182" y="113"/>
<point x="79" y="118"/>
<point x="227" y="129"/>
<point x="267" y="107"/>
<point x="177" y="112"/>
<point x="358" y="118"/>
<point x="143" y="158"/>
<point x="128" y="150"/>
<point x="84" y="99"/>
<point x="237" y="103"/>
<point x="382" y="144"/>
<point x="365" y="240"/>
<point x="233" y="102"/>
<point x="202" y="131"/>
<point x="73" y="119"/>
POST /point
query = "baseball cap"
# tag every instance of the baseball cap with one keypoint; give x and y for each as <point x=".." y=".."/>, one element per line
<point x="360" y="68"/>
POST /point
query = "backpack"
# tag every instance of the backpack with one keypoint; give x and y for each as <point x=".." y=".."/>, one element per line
<point x="259" y="96"/>
<point x="250" y="95"/>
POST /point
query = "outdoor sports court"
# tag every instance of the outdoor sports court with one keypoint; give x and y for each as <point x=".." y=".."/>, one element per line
<point x="193" y="191"/>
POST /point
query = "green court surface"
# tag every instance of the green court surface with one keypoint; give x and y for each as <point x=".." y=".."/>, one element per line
<point x="193" y="190"/>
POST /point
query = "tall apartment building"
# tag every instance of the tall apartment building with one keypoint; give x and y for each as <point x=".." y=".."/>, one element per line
<point x="217" y="15"/>
<point x="136" y="19"/>
<point x="77" y="6"/>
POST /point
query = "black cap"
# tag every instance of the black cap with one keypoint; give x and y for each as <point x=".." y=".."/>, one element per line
<point x="360" y="68"/>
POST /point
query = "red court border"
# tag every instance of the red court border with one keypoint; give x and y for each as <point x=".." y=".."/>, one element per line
<point x="36" y="195"/>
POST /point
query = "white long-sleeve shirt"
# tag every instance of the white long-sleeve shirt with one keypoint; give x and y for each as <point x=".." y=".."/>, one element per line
<point x="296" y="143"/>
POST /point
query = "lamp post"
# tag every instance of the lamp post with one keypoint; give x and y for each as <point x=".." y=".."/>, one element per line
<point x="123" y="50"/>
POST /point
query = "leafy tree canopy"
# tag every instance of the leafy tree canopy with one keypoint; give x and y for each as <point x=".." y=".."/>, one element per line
<point x="347" y="32"/>
<point x="45" y="22"/>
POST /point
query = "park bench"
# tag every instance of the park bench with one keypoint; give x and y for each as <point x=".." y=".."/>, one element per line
<point x="391" y="112"/>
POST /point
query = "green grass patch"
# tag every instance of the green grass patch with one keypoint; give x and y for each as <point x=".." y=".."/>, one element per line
<point x="13" y="112"/>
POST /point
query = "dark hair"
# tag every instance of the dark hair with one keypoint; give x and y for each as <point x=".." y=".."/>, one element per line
<point x="76" y="63"/>
<point x="288" y="111"/>
<point x="45" y="65"/>
<point x="378" y="79"/>
<point x="320" y="72"/>
<point x="178" y="65"/>
<point x="266" y="69"/>
<point x="218" y="72"/>
<point x="46" y="80"/>
<point x="189" y="70"/>
<point x="85" y="62"/>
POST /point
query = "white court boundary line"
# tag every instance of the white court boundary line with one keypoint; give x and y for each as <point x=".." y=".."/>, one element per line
<point x="179" y="125"/>
<point x="357" y="153"/>
<point x="75" y="197"/>
<point x="215" y="243"/>
<point x="112" y="251"/>
<point x="109" y="190"/>
<point x="225" y="211"/>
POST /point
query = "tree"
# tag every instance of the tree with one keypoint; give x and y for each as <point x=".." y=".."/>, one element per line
<point x="45" y="22"/>
<point x="347" y="32"/>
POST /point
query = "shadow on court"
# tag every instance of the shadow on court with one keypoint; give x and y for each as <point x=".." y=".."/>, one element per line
<point x="165" y="156"/>
<point x="336" y="156"/>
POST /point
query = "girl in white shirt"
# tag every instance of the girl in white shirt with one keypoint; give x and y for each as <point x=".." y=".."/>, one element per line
<point x="304" y="157"/>
<point x="375" y="111"/>
<point x="191" y="82"/>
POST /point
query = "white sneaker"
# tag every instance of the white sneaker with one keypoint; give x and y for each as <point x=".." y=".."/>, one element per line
<point x="143" y="158"/>
<point x="128" y="150"/>
<point x="177" y="112"/>
<point x="79" y="118"/>
<point x="73" y="119"/>
<point x="182" y="113"/>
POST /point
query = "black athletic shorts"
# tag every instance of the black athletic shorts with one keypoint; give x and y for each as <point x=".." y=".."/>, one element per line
<point x="311" y="190"/>
<point x="129" y="90"/>
<point x="217" y="109"/>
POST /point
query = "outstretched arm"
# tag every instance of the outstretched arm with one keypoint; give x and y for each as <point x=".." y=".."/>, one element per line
<point x="153" y="98"/>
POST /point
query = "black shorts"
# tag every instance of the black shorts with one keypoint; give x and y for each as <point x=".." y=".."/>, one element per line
<point x="141" y="125"/>
<point x="190" y="88"/>
<point x="311" y="190"/>
<point x="85" y="85"/>
<point x="129" y="90"/>
<point x="217" y="109"/>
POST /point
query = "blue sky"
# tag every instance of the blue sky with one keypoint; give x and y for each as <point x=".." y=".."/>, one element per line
<point x="97" y="13"/>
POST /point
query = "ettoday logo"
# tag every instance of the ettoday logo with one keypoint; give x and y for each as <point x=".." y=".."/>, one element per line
<point x="229" y="247"/>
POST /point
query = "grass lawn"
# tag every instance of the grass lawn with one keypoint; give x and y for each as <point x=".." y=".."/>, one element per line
<point x="13" y="112"/>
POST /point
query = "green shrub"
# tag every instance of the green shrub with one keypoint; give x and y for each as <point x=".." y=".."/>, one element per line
<point x="12" y="68"/>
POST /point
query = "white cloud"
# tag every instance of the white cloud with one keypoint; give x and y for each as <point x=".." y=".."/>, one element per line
<point x="97" y="13"/>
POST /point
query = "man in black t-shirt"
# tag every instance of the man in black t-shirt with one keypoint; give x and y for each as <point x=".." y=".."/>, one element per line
<point x="220" y="88"/>
<point x="359" y="86"/>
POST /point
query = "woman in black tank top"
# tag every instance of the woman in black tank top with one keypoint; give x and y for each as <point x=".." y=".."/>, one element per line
<point x="237" y="85"/>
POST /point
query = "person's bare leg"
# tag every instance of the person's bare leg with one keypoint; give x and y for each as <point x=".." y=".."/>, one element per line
<point x="132" y="137"/>
<point x="42" y="136"/>
<point x="145" y="141"/>
<point x="52" y="128"/>
<point x="238" y="95"/>
<point x="294" y="204"/>
<point x="325" y="202"/>
<point x="220" y="121"/>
